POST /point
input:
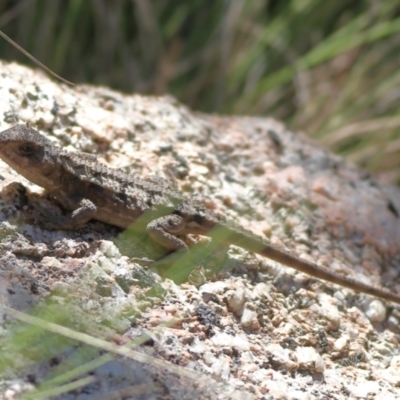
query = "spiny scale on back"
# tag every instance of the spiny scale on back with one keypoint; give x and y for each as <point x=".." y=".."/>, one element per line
<point x="151" y="191"/>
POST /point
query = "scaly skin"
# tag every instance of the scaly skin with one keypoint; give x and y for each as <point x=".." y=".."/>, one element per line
<point x="91" y="190"/>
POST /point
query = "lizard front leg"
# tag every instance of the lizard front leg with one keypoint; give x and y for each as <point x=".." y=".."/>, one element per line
<point x="163" y="230"/>
<point x="77" y="218"/>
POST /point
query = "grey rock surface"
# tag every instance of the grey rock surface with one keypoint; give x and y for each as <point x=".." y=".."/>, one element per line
<point x="256" y="329"/>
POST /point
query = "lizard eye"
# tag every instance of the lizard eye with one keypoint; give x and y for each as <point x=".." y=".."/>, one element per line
<point x="26" y="149"/>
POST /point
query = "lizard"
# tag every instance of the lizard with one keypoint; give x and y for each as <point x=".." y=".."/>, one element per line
<point x="91" y="190"/>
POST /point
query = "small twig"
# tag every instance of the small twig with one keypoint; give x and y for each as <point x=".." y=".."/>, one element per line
<point x="2" y="34"/>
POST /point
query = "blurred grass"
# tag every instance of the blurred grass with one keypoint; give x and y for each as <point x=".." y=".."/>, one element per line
<point x="50" y="337"/>
<point x="329" y="68"/>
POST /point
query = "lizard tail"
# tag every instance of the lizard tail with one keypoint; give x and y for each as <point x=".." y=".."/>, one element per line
<point x="256" y="244"/>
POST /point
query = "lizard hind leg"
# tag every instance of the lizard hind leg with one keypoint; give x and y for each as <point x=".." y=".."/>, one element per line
<point x="163" y="230"/>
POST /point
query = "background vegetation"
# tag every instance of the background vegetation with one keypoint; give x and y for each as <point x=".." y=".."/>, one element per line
<point x="330" y="68"/>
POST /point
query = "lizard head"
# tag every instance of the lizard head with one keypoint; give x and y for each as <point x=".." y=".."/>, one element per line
<point x="29" y="153"/>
